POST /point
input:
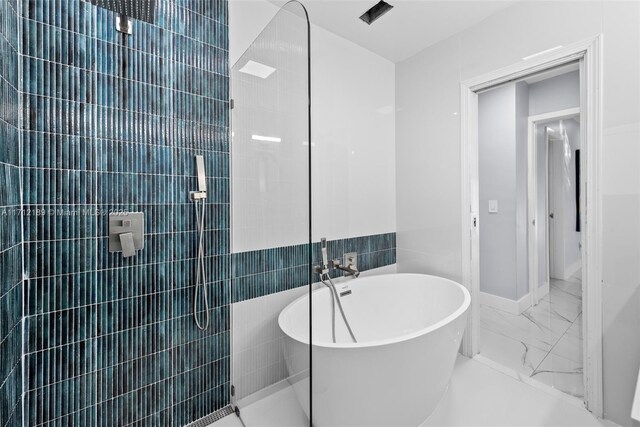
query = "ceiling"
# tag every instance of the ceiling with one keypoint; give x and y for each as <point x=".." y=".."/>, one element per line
<point x="409" y="27"/>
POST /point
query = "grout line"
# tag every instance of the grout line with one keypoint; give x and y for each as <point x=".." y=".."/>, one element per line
<point x="133" y="328"/>
<point x="99" y="370"/>
<point x="19" y="362"/>
<point x="96" y="249"/>
<point x="97" y="38"/>
<point x="2" y="252"/>
<point x="10" y="85"/>
<point x="6" y="337"/>
<point x="90" y="271"/>
<point x="123" y="172"/>
<point x="103" y="237"/>
<point x="95" y="405"/>
<point x="5" y="163"/>
<point x="220" y="128"/>
<point x="125" y="111"/>
<point x="11" y="288"/>
<point x="13" y="410"/>
<point x="92" y="72"/>
<point x="23" y="266"/>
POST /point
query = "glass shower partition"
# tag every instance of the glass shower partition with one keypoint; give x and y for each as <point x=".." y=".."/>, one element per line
<point x="271" y="221"/>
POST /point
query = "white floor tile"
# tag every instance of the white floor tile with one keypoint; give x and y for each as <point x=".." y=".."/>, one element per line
<point x="561" y="306"/>
<point x="562" y="374"/>
<point x="517" y="355"/>
<point x="570" y="344"/>
<point x="477" y="396"/>
<point x="279" y="409"/>
<point x="481" y="396"/>
<point x="228" y="421"/>
<point x="544" y="342"/>
<point x="524" y="328"/>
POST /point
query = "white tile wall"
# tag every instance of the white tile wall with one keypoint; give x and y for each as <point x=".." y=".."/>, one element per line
<point x="353" y="143"/>
<point x="270" y="189"/>
<point x="353" y="127"/>
<point x="257" y="341"/>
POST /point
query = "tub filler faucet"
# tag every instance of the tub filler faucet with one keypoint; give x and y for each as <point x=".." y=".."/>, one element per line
<point x="350" y="259"/>
<point x="351" y="268"/>
<point x="323" y="271"/>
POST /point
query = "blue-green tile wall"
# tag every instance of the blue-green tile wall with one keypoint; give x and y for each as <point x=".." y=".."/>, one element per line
<point x="10" y="226"/>
<point x="266" y="271"/>
<point x="111" y="123"/>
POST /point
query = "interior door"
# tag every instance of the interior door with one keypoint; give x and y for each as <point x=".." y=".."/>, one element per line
<point x="551" y="258"/>
<point x="555" y="209"/>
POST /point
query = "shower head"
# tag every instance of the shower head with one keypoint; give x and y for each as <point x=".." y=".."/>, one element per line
<point x="141" y="10"/>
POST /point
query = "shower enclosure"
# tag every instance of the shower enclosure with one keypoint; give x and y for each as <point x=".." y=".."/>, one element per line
<point x="271" y="209"/>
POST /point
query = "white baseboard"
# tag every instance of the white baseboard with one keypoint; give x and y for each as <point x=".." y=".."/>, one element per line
<point x="506" y="304"/>
<point x="524" y="303"/>
<point x="543" y="290"/>
<point x="572" y="269"/>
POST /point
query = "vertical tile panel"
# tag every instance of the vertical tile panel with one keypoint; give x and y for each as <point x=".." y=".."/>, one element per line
<point x="112" y="123"/>
<point x="11" y="299"/>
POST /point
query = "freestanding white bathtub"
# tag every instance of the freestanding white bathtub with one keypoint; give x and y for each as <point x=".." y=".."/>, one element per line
<point x="408" y="327"/>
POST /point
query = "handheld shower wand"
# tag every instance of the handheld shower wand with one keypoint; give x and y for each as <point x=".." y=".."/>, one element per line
<point x="199" y="198"/>
<point x="323" y="272"/>
<point x="325" y="257"/>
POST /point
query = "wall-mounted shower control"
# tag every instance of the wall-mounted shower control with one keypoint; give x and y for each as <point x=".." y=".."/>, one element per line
<point x="350" y="266"/>
<point x="351" y="260"/>
<point x="126" y="232"/>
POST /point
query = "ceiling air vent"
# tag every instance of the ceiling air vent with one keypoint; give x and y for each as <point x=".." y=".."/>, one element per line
<point x="376" y="12"/>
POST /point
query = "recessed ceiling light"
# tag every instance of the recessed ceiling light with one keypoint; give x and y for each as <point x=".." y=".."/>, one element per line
<point x="266" y="138"/>
<point x="542" y="53"/>
<point x="376" y="12"/>
<point x="257" y="69"/>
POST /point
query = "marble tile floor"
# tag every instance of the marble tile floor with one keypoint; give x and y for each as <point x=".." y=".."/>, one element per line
<point x="477" y="396"/>
<point x="544" y="342"/>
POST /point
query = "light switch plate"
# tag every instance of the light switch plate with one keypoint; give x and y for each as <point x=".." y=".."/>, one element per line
<point x="493" y="206"/>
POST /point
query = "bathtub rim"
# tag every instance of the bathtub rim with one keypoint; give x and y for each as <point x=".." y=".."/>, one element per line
<point x="466" y="303"/>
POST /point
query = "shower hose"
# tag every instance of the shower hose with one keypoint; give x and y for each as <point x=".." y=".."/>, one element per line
<point x="201" y="279"/>
<point x="335" y="297"/>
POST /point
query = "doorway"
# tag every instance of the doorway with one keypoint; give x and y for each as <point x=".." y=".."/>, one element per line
<point x="555" y="170"/>
<point x="588" y="54"/>
<point x="530" y="323"/>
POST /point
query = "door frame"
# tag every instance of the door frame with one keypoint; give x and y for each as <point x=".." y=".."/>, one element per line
<point x="589" y="52"/>
<point x="550" y="194"/>
<point x="532" y="196"/>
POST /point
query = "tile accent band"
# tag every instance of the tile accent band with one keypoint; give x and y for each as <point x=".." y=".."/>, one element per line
<point x="267" y="271"/>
